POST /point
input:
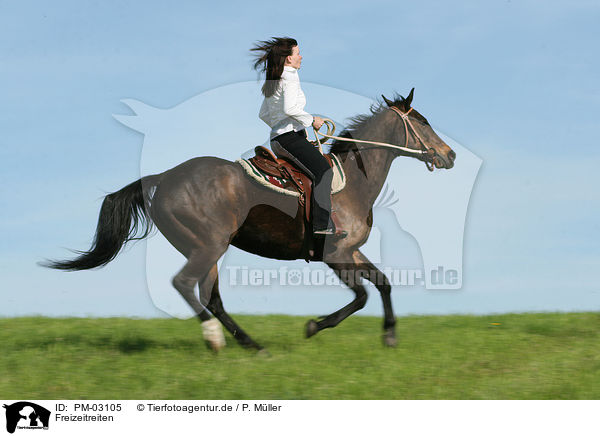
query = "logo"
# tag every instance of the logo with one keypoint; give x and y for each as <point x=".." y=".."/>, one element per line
<point x="26" y="415"/>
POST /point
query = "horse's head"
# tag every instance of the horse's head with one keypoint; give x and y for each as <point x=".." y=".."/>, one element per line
<point x="419" y="135"/>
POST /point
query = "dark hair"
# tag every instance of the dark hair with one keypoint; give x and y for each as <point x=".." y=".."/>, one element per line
<point x="271" y="59"/>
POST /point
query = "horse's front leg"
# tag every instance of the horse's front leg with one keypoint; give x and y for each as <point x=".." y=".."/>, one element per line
<point x="349" y="272"/>
<point x="384" y="287"/>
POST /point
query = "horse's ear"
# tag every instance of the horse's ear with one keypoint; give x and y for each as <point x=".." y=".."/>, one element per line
<point x="388" y="102"/>
<point x="409" y="99"/>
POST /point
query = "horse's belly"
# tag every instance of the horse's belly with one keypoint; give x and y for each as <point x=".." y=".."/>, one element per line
<point x="271" y="233"/>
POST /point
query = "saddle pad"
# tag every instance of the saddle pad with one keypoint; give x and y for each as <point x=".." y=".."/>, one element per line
<point x="276" y="183"/>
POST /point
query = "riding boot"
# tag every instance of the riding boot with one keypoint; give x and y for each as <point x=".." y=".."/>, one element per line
<point x="339" y="231"/>
<point x="333" y="229"/>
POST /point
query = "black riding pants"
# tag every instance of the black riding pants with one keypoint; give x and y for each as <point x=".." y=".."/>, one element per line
<point x="318" y="170"/>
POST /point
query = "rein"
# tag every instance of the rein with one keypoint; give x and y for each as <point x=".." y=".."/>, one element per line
<point x="425" y="149"/>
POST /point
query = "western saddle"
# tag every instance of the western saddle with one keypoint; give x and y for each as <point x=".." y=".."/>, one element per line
<point x="283" y="165"/>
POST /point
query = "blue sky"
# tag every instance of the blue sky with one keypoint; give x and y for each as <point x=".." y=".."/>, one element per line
<point x="516" y="82"/>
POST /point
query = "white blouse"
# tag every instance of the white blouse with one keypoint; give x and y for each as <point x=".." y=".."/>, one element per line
<point x="284" y="110"/>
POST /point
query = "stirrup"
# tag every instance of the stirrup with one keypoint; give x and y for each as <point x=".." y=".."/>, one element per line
<point x="327" y="231"/>
<point x="330" y="231"/>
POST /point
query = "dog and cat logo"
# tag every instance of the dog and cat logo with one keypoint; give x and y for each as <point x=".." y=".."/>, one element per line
<point x="26" y="415"/>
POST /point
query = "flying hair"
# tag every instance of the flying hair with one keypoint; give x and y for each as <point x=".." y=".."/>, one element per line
<point x="270" y="59"/>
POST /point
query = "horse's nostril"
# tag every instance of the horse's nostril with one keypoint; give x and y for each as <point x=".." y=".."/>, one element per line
<point x="452" y="155"/>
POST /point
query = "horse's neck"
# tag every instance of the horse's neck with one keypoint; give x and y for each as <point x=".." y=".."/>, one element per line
<point x="376" y="161"/>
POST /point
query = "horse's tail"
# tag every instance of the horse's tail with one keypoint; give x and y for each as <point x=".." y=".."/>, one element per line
<point x="123" y="214"/>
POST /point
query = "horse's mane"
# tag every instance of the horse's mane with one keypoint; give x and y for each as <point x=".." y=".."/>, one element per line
<point x="358" y="121"/>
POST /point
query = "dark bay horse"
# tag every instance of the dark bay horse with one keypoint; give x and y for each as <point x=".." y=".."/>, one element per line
<point x="205" y="204"/>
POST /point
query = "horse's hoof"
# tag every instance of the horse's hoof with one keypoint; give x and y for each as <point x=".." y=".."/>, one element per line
<point x="390" y="342"/>
<point x="212" y="346"/>
<point x="389" y="339"/>
<point x="213" y="334"/>
<point x="263" y="352"/>
<point x="312" y="328"/>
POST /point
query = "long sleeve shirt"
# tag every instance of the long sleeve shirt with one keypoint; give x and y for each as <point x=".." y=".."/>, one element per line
<point x="284" y="110"/>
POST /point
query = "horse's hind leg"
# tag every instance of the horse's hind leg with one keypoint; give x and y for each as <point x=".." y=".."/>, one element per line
<point x="215" y="305"/>
<point x="195" y="272"/>
<point x="184" y="282"/>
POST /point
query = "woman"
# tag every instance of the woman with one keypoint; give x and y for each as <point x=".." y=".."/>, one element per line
<point x="283" y="110"/>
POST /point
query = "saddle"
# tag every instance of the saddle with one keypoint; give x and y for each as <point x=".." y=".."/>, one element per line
<point x="266" y="161"/>
<point x="285" y="166"/>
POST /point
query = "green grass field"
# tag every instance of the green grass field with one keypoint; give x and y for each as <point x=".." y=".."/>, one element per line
<point x="512" y="356"/>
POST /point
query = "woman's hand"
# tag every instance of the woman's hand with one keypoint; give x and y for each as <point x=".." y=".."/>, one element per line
<point x="317" y="122"/>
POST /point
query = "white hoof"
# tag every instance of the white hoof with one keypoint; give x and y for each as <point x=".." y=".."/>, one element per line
<point x="213" y="334"/>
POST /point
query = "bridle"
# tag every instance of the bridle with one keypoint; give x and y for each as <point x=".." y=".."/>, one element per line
<point x="429" y="151"/>
<point x="428" y="154"/>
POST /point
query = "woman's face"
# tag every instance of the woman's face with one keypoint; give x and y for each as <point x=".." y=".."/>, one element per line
<point x="294" y="60"/>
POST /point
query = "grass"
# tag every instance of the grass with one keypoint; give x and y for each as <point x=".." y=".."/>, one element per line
<point x="512" y="356"/>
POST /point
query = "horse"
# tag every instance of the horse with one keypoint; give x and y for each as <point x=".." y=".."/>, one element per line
<point x="206" y="204"/>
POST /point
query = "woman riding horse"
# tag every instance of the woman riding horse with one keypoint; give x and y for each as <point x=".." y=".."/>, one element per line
<point x="283" y="111"/>
<point x="204" y="205"/>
